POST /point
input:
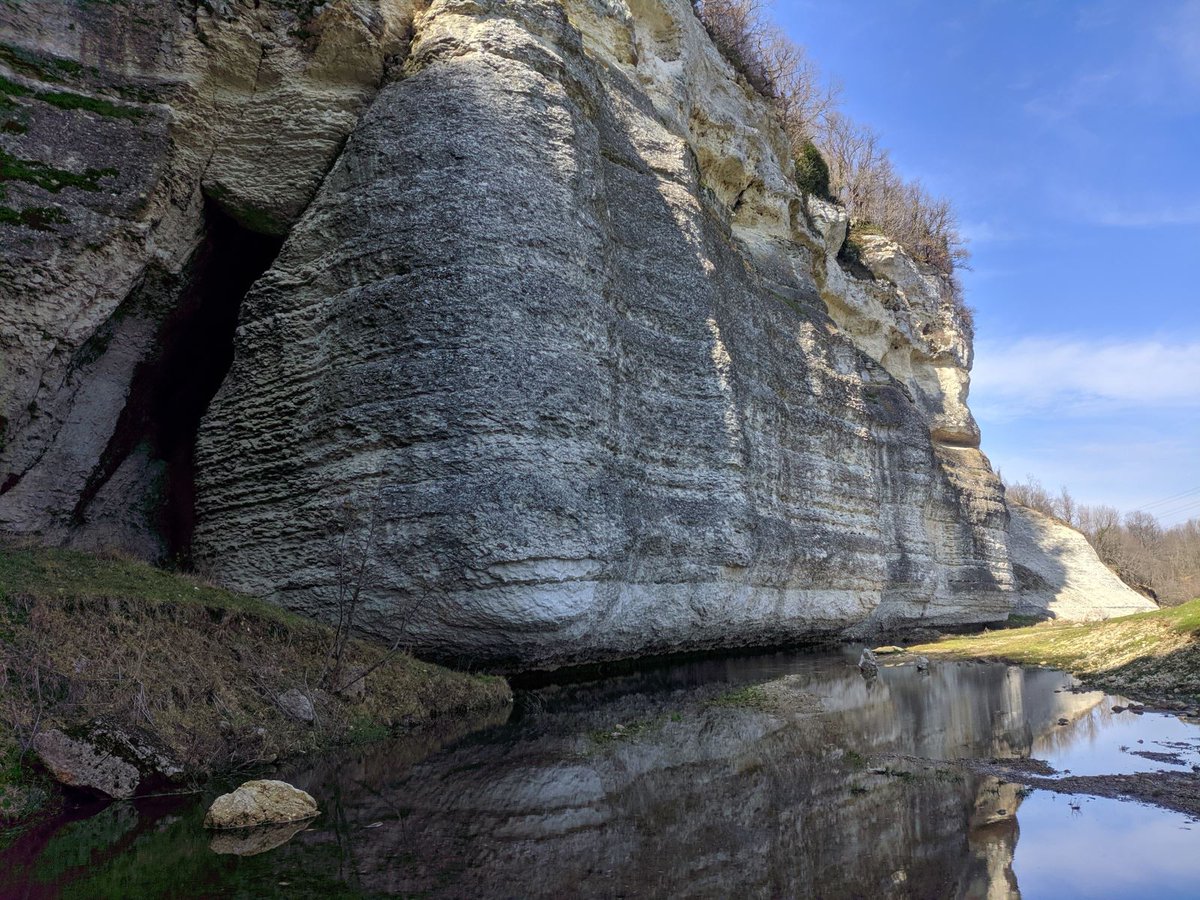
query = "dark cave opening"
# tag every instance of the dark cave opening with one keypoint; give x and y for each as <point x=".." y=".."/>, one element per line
<point x="172" y="388"/>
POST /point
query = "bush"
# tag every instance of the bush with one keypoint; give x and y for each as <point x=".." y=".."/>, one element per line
<point x="836" y="158"/>
<point x="812" y="172"/>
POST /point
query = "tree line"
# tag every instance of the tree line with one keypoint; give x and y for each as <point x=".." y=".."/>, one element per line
<point x="1161" y="562"/>
<point x="854" y="168"/>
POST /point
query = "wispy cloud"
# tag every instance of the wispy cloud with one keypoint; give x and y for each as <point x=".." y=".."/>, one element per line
<point x="1115" y="212"/>
<point x="987" y="232"/>
<point x="1180" y="37"/>
<point x="1074" y="377"/>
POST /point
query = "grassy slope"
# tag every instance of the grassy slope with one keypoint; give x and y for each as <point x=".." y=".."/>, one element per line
<point x="1154" y="656"/>
<point x="198" y="666"/>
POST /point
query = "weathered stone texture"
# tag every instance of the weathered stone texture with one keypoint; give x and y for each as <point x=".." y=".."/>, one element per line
<point x="256" y="803"/>
<point x="121" y="120"/>
<point x="1059" y="575"/>
<point x="558" y="316"/>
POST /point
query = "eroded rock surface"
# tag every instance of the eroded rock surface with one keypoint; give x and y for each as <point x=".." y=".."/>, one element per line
<point x="263" y="802"/>
<point x="1059" y="575"/>
<point x="105" y="759"/>
<point x="551" y="313"/>
<point x="559" y="315"/>
<point x="129" y="132"/>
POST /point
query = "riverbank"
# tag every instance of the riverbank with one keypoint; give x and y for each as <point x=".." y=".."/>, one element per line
<point x="1152" y="657"/>
<point x="209" y="674"/>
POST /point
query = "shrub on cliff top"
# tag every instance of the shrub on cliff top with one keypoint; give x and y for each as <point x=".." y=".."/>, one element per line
<point x="812" y="172"/>
<point x="859" y="171"/>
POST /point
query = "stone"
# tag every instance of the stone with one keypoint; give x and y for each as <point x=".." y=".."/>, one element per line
<point x="296" y="704"/>
<point x="1059" y="575"/>
<point x="888" y="650"/>
<point x="868" y="664"/>
<point x="199" y="120"/>
<point x="263" y="802"/>
<point x="352" y="685"/>
<point x="105" y="759"/>
<point x="614" y="394"/>
<point x="558" y="312"/>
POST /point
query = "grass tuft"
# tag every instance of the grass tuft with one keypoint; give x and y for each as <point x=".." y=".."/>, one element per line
<point x="1155" y="655"/>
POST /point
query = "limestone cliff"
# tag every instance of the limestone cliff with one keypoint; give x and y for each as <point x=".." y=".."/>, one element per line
<point x="129" y="132"/>
<point x="551" y="315"/>
<point x="557" y="312"/>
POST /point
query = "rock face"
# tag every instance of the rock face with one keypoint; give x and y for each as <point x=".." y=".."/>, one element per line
<point x="104" y="759"/>
<point x="260" y="803"/>
<point x="152" y="152"/>
<point x="559" y="317"/>
<point x="554" y="341"/>
<point x="1059" y="575"/>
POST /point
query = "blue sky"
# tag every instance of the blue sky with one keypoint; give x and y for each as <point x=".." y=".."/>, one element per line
<point x="1068" y="137"/>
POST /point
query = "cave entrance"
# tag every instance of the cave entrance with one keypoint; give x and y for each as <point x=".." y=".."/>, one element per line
<point x="171" y="389"/>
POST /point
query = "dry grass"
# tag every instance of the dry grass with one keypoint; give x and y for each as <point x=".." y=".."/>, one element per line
<point x="1153" y="656"/>
<point x="197" y="666"/>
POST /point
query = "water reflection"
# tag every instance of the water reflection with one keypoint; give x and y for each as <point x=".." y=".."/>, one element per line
<point x="747" y="776"/>
<point x="686" y="784"/>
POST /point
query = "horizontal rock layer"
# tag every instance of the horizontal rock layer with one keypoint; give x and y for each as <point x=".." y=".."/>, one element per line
<point x="126" y="129"/>
<point x="554" y="331"/>
<point x="556" y="346"/>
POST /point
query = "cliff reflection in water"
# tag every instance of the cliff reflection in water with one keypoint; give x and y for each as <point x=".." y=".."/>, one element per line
<point x="707" y="780"/>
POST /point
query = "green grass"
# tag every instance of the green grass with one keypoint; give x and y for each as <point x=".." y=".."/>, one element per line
<point x="1149" y="654"/>
<point x="752" y="696"/>
<point x="48" y="573"/>
<point x="85" y="636"/>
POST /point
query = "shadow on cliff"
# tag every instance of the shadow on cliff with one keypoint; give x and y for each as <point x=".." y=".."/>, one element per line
<point x="171" y="388"/>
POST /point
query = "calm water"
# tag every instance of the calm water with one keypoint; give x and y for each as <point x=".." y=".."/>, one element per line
<point x="733" y="777"/>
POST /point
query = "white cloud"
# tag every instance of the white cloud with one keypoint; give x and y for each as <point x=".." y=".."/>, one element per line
<point x="1071" y="376"/>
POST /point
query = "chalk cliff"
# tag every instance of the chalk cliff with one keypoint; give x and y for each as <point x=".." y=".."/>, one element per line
<point x="552" y="332"/>
<point x="1059" y="575"/>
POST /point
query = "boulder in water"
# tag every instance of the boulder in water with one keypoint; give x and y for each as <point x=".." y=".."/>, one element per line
<point x="264" y="802"/>
<point x="868" y="664"/>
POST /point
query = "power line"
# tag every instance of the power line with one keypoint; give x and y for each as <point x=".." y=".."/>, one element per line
<point x="1167" y="500"/>
<point x="1180" y="510"/>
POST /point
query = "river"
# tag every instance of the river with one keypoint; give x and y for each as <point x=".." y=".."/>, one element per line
<point x="778" y="775"/>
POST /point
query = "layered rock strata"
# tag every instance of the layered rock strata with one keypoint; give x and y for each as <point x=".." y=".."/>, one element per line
<point x="554" y="344"/>
<point x="556" y="333"/>
<point x="120" y="123"/>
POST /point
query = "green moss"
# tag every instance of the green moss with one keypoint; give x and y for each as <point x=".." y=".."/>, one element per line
<point x="12" y="126"/>
<point x="753" y="696"/>
<point x="625" y="732"/>
<point x="66" y="100"/>
<point x="47" y="177"/>
<point x="39" y="218"/>
<point x="44" y="67"/>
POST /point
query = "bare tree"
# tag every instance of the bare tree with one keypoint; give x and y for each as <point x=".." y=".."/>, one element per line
<point x="1163" y="563"/>
<point x="862" y="176"/>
